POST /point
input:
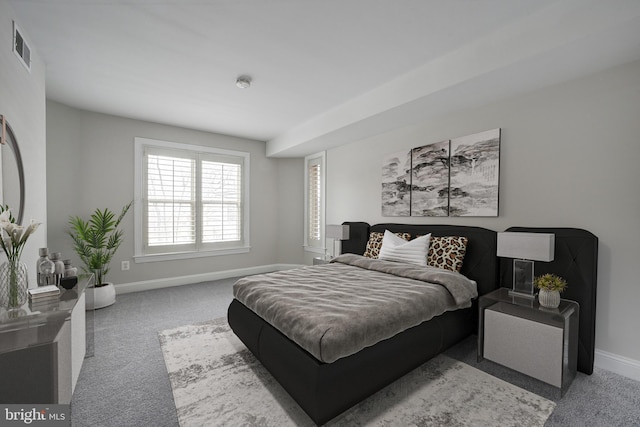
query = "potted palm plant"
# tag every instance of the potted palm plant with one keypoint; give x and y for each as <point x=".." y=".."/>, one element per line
<point x="96" y="241"/>
<point x="550" y="287"/>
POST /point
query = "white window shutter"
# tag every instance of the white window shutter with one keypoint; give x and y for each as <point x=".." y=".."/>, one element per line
<point x="171" y="200"/>
<point x="314" y="202"/>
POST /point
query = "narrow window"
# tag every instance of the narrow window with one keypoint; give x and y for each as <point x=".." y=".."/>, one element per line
<point x="314" y="202"/>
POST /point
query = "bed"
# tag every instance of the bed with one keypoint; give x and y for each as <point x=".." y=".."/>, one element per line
<point x="324" y="389"/>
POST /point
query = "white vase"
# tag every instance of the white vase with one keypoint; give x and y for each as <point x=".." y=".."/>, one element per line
<point x="549" y="299"/>
<point x="102" y="296"/>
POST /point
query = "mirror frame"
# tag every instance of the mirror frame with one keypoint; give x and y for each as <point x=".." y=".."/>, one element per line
<point x="12" y="142"/>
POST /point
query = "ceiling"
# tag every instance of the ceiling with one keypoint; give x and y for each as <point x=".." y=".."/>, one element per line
<point x="324" y="72"/>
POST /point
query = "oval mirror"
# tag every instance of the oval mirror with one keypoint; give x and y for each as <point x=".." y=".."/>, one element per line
<point x="12" y="177"/>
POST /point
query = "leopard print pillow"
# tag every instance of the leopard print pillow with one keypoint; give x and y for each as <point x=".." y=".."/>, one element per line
<point x="447" y="252"/>
<point x="375" y="243"/>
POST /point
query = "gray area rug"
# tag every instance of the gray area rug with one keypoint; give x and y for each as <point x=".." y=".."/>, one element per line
<point x="216" y="381"/>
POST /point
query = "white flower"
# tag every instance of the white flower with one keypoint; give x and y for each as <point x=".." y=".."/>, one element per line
<point x="5" y="225"/>
<point x="10" y="228"/>
<point x="5" y="217"/>
<point x="33" y="226"/>
<point x="15" y="235"/>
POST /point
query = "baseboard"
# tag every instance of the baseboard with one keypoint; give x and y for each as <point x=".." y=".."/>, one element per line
<point x="148" y="285"/>
<point x="619" y="364"/>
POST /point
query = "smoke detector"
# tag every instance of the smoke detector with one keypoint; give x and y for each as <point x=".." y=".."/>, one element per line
<point x="243" y="82"/>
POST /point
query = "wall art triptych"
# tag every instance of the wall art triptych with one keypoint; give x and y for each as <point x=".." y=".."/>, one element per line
<point x="458" y="177"/>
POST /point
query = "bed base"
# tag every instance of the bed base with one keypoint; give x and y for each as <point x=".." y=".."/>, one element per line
<point x="325" y="390"/>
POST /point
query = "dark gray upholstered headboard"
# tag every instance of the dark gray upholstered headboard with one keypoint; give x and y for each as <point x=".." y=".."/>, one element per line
<point x="480" y="262"/>
<point x="576" y="260"/>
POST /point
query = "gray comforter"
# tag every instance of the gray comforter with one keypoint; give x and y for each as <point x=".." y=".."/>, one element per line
<point x="337" y="309"/>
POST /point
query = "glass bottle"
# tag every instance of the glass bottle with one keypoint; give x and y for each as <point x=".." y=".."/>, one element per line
<point x="58" y="272"/>
<point x="44" y="258"/>
<point x="69" y="270"/>
<point x="46" y="268"/>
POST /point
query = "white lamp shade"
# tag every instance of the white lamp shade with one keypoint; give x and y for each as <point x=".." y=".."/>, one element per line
<point x="531" y="246"/>
<point x="338" y="232"/>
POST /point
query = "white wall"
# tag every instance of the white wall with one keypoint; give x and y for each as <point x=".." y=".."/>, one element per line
<point x="290" y="210"/>
<point x="22" y="101"/>
<point x="90" y="165"/>
<point x="569" y="158"/>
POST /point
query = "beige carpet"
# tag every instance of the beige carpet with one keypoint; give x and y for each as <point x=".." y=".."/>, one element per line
<point x="216" y="381"/>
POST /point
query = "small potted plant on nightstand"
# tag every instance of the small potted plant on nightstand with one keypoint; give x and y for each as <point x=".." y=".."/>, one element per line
<point x="96" y="241"/>
<point x="550" y="287"/>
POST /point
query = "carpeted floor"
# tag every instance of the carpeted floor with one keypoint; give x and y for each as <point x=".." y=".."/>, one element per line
<point x="126" y="382"/>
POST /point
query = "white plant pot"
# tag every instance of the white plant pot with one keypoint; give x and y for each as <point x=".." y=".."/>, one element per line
<point x="102" y="296"/>
<point x="549" y="299"/>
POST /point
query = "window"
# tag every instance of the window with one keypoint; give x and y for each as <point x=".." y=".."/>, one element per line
<point x="314" y="202"/>
<point x="190" y="201"/>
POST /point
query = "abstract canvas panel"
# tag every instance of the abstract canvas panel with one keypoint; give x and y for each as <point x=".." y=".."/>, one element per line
<point x="430" y="180"/>
<point x="475" y="174"/>
<point x="396" y="184"/>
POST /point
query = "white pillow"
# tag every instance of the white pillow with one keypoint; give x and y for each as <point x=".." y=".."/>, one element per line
<point x="395" y="248"/>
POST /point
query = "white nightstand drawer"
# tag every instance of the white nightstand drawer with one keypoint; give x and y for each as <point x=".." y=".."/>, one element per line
<point x="530" y="347"/>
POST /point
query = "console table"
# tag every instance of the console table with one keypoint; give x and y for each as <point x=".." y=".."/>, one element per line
<point x="42" y="347"/>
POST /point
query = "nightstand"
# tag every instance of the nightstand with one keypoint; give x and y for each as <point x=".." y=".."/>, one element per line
<point x="540" y="342"/>
<point x="319" y="260"/>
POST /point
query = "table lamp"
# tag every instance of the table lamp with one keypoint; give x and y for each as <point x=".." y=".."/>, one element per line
<point x="525" y="248"/>
<point x="337" y="233"/>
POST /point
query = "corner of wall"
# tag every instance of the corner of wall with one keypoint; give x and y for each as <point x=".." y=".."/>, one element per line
<point x="23" y="103"/>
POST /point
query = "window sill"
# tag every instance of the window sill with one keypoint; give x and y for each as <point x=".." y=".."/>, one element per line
<point x="315" y="250"/>
<point x="138" y="259"/>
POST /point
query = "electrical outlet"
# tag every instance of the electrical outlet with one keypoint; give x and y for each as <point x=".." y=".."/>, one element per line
<point x="124" y="266"/>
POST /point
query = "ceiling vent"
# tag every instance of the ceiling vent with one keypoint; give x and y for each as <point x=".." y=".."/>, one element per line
<point x="21" y="48"/>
